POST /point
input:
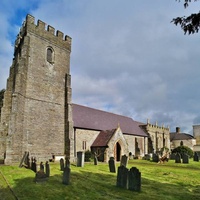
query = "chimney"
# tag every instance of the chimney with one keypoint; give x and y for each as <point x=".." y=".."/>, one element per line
<point x="177" y="129"/>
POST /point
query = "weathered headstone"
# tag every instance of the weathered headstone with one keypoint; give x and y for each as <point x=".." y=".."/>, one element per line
<point x="41" y="166"/>
<point x="40" y="177"/>
<point x="27" y="161"/>
<point x="178" y="158"/>
<point x="111" y="163"/>
<point x="47" y="169"/>
<point x="185" y="158"/>
<point x="67" y="162"/>
<point x="196" y="157"/>
<point x="122" y="177"/>
<point x="95" y="160"/>
<point x="147" y="157"/>
<point x="62" y="164"/>
<point x="124" y="160"/>
<point x="80" y="159"/>
<point x="66" y="176"/>
<point x="26" y="154"/>
<point x="33" y="165"/>
<point x="155" y="157"/>
<point x="134" y="179"/>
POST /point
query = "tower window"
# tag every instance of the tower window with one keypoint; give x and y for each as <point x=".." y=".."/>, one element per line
<point x="49" y="55"/>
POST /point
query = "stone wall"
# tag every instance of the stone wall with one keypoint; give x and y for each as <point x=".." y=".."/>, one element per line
<point x="159" y="136"/>
<point x="85" y="138"/>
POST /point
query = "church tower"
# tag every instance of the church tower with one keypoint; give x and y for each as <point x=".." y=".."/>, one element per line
<point x="37" y="114"/>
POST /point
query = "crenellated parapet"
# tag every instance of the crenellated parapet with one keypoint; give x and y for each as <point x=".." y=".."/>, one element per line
<point x="157" y="128"/>
<point x="42" y="30"/>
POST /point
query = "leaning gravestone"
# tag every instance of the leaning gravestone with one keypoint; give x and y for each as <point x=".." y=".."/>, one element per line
<point x="62" y="164"/>
<point x="134" y="179"/>
<point x="24" y="159"/>
<point x="111" y="163"/>
<point x="178" y="158"/>
<point x="185" y="158"/>
<point x="124" y="160"/>
<point x="47" y="169"/>
<point x="122" y="177"/>
<point x="196" y="157"/>
<point x="66" y="176"/>
<point x="80" y="159"/>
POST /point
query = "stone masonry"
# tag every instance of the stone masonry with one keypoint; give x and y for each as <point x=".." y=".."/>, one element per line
<point x="36" y="115"/>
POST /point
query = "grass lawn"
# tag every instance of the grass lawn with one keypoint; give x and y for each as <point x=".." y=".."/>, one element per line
<point x="169" y="181"/>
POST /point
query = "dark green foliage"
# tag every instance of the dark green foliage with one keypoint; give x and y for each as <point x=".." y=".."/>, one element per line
<point x="88" y="156"/>
<point x="190" y="24"/>
<point x="183" y="149"/>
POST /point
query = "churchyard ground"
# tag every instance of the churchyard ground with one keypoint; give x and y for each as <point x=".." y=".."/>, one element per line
<point x="168" y="181"/>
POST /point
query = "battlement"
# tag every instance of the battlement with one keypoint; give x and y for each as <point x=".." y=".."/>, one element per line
<point x="155" y="126"/>
<point x="30" y="20"/>
<point x="43" y="30"/>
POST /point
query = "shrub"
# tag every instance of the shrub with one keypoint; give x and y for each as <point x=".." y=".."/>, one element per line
<point x="182" y="150"/>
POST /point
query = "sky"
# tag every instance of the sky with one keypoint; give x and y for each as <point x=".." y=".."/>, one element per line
<point x="127" y="57"/>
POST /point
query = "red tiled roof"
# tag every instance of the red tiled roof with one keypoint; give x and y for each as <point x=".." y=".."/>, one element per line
<point x="93" y="119"/>
<point x="103" y="138"/>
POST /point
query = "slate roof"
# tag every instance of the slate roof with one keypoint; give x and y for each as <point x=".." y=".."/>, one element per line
<point x="103" y="138"/>
<point x="93" y="119"/>
<point x="180" y="136"/>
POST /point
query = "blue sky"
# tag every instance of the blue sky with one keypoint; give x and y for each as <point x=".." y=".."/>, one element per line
<point x="127" y="58"/>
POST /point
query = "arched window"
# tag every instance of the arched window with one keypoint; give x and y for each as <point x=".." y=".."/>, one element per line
<point x="49" y="55"/>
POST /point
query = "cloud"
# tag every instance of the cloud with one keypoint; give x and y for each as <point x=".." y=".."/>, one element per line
<point x="126" y="58"/>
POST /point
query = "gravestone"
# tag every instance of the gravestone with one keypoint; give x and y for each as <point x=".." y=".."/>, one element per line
<point x="147" y="157"/>
<point x="122" y="177"/>
<point x="67" y="162"/>
<point x="196" y="157"/>
<point x="62" y="164"/>
<point x="134" y="179"/>
<point x="124" y="160"/>
<point x="80" y="159"/>
<point x="27" y="161"/>
<point x="95" y="159"/>
<point x="47" y="169"/>
<point x="41" y="166"/>
<point x="40" y="177"/>
<point x="66" y="176"/>
<point x="33" y="165"/>
<point x="155" y="157"/>
<point x="111" y="163"/>
<point x="178" y="158"/>
<point x="26" y="154"/>
<point x="185" y="158"/>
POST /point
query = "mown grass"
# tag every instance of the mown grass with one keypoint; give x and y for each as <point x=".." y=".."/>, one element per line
<point x="169" y="181"/>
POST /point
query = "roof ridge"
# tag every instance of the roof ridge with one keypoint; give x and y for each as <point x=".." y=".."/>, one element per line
<point x="103" y="111"/>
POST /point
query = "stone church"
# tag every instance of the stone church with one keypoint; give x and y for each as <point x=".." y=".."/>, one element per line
<point x="38" y="115"/>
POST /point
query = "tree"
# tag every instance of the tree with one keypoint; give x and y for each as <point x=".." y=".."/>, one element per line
<point x="183" y="149"/>
<point x="190" y="24"/>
